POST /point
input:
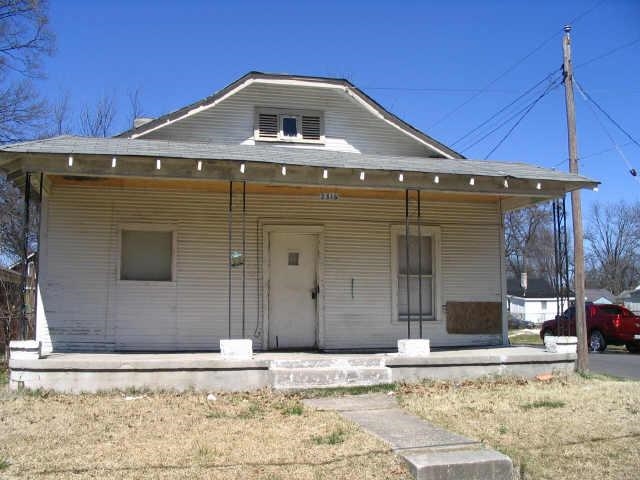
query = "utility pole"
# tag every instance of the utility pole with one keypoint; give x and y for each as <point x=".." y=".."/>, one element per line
<point x="576" y="207"/>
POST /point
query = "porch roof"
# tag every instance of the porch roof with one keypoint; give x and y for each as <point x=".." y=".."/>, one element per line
<point x="50" y="155"/>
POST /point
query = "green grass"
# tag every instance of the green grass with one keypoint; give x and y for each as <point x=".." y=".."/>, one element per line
<point x="4" y="464"/>
<point x="333" y="438"/>
<point x="292" y="408"/>
<point x="543" y="404"/>
<point x="517" y="337"/>
<point x="4" y="376"/>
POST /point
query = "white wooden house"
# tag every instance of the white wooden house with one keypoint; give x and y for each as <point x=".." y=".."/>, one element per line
<point x="277" y="210"/>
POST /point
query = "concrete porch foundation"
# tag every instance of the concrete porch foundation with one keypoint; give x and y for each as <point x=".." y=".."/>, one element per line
<point x="92" y="372"/>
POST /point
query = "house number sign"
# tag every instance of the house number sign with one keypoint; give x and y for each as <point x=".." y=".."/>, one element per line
<point x="328" y="196"/>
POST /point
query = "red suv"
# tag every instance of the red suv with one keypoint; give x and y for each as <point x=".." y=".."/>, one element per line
<point x="606" y="324"/>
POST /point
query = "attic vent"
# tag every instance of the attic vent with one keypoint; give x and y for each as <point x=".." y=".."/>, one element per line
<point x="310" y="127"/>
<point x="268" y="125"/>
<point x="290" y="125"/>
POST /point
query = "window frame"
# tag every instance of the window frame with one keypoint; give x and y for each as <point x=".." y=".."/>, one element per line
<point x="136" y="227"/>
<point x="425" y="231"/>
<point x="283" y="113"/>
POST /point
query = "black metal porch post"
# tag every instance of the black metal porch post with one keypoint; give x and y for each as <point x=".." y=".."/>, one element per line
<point x="25" y="256"/>
<point x="230" y="228"/>
<point x="419" y="264"/>
<point x="406" y="253"/>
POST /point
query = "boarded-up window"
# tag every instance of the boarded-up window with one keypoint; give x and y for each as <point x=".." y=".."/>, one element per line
<point x="418" y="273"/>
<point x="146" y="255"/>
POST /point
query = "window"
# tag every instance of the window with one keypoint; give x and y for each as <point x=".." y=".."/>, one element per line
<point x="146" y="255"/>
<point x="288" y="126"/>
<point x="294" y="259"/>
<point x="543" y="304"/>
<point x="418" y="275"/>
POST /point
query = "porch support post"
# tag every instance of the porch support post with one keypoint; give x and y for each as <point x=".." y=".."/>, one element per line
<point x="230" y="238"/>
<point x="36" y="276"/>
<point x="244" y="253"/>
<point x="419" y="265"/>
<point x="24" y="323"/>
<point x="406" y="254"/>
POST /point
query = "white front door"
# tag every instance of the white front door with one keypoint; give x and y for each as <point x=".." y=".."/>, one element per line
<point x="293" y="292"/>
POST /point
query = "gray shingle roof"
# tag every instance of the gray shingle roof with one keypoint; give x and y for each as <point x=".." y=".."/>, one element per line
<point x="66" y="145"/>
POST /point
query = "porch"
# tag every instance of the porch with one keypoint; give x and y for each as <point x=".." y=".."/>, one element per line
<point x="92" y="372"/>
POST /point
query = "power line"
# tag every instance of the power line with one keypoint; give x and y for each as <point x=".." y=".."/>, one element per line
<point x="610" y="118"/>
<point x="525" y="109"/>
<point x="514" y="66"/>
<point x="608" y="52"/>
<point x="527" y="92"/>
<point x="587" y="99"/>
<point x="593" y="154"/>
<point x="533" y="104"/>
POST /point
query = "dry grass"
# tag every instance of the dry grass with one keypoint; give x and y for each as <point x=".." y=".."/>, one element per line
<point x="166" y="435"/>
<point x="569" y="428"/>
<point x="524" y="337"/>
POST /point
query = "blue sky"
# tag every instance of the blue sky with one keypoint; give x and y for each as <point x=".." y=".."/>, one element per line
<point x="418" y="59"/>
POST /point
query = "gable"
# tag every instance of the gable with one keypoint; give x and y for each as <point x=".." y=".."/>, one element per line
<point x="350" y="121"/>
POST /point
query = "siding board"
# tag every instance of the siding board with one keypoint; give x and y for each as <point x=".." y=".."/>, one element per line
<point x="88" y="308"/>
<point x="349" y="127"/>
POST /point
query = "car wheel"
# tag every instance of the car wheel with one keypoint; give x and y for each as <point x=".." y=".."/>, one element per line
<point x="633" y="347"/>
<point x="596" y="341"/>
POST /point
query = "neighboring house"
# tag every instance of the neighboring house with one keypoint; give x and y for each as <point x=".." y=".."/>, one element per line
<point x="278" y="210"/>
<point x="631" y="299"/>
<point x="599" y="296"/>
<point x="537" y="303"/>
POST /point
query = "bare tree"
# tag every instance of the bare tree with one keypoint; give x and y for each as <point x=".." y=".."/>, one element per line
<point x="25" y="38"/>
<point x="135" y="104"/>
<point x="60" y="112"/>
<point x="97" y="122"/>
<point x="526" y="233"/>
<point x="613" y="245"/>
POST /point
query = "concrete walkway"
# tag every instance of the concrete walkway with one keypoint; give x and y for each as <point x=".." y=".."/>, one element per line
<point x="430" y="452"/>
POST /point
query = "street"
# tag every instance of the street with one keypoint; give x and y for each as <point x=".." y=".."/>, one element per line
<point x="618" y="363"/>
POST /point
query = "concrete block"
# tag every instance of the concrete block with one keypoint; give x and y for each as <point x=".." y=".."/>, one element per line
<point x="236" y="348"/>
<point x="433" y="464"/>
<point x="561" y="344"/>
<point x="413" y="347"/>
<point x="25" y="349"/>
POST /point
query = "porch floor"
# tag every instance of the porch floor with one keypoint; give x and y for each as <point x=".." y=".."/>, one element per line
<point x="281" y="370"/>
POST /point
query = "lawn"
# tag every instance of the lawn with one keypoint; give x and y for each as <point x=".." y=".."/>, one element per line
<point x="525" y="337"/>
<point x="568" y="428"/>
<point x="165" y="435"/>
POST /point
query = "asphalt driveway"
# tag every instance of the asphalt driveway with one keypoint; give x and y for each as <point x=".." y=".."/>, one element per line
<point x="618" y="363"/>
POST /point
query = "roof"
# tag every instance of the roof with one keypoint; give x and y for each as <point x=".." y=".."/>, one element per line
<point x="536" y="288"/>
<point x="628" y="293"/>
<point x="67" y="145"/>
<point x="593" y="294"/>
<point x="253" y="77"/>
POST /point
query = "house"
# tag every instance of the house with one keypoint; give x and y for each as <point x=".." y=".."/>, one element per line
<point x="631" y="299"/>
<point x="599" y="296"/>
<point x="276" y="210"/>
<point x="535" y="303"/>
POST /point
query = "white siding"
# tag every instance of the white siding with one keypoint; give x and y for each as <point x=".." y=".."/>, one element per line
<point x="349" y="127"/>
<point x="88" y="308"/>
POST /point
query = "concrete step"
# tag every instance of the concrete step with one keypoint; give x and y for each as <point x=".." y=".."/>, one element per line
<point x="458" y="464"/>
<point x="300" y="378"/>
<point x="335" y="362"/>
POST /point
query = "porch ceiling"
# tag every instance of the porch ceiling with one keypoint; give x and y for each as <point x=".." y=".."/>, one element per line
<point x="517" y="184"/>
